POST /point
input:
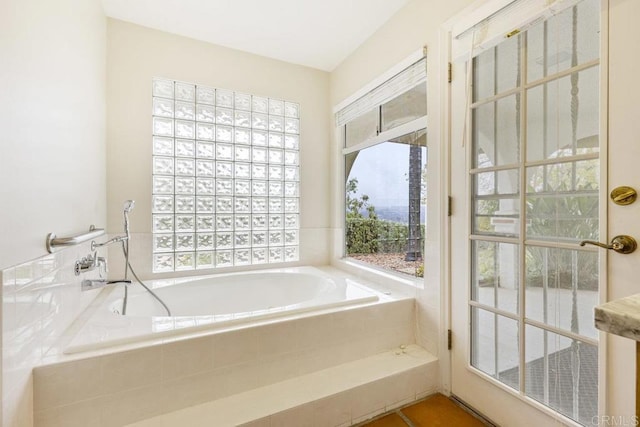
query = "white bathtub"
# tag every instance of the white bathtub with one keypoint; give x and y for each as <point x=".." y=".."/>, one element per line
<point x="211" y="302"/>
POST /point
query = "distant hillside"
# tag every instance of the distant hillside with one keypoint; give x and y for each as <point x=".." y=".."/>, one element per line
<point x="396" y="213"/>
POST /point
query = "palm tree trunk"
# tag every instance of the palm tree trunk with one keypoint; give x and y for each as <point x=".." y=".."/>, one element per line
<point x="414" y="241"/>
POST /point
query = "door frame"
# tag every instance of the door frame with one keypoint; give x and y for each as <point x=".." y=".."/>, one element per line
<point x="458" y="204"/>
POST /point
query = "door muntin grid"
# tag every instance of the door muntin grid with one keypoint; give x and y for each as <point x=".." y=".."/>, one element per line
<point x="534" y="182"/>
<point x="225" y="178"/>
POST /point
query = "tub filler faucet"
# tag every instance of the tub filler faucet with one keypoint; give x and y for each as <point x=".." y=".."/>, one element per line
<point x="87" y="284"/>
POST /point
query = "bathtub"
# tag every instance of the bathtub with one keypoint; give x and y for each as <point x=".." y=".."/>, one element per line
<point x="202" y="303"/>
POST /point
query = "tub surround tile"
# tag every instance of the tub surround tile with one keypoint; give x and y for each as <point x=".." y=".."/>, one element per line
<point x="620" y="317"/>
<point x="187" y="357"/>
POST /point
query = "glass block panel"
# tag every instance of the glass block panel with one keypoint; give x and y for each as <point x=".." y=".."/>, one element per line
<point x="163" y="88"/>
<point x="276" y="254"/>
<point x="224" y="204"/>
<point x="243" y="102"/>
<point x="162" y="146"/>
<point x="205" y="204"/>
<point x="185" y="110"/>
<point x="275" y="221"/>
<point x="185" y="261"/>
<point x="242" y="153"/>
<point x="224" y="187"/>
<point x="242" y="136"/>
<point x="259" y="256"/>
<point x="259" y="188"/>
<point x="162" y="185"/>
<point x="204" y="168"/>
<point x="224" y="116"/>
<point x="224" y="259"/>
<point x="205" y="223"/>
<point x="291" y="220"/>
<point x="185" y="185"/>
<point x="242" y="204"/>
<point x="185" y="129"/>
<point x="292" y="126"/>
<point x="243" y="222"/>
<point x="259" y="137"/>
<point x="224" y="133"/>
<point x="259" y="104"/>
<point x="275" y="188"/>
<point x="291" y="142"/>
<point x="185" y="223"/>
<point x="162" y="126"/>
<point x="259" y="205"/>
<point x="242" y="187"/>
<point x="259" y="222"/>
<point x="276" y="124"/>
<point x="204" y="241"/>
<point x="242" y="257"/>
<point x="162" y="262"/>
<point x="291" y="254"/>
<point x="291" y="237"/>
<point x="259" y="121"/>
<point x="224" y="152"/>
<point x="205" y="95"/>
<point x="276" y="238"/>
<point x="162" y="242"/>
<point x="224" y="169"/>
<point x="259" y="155"/>
<point x="162" y="204"/>
<point x="204" y="260"/>
<point x="224" y="240"/>
<point x="205" y="131"/>
<point x="291" y="158"/>
<point x="185" y="167"/>
<point x="162" y="223"/>
<point x="291" y="173"/>
<point x="259" y="238"/>
<point x="163" y="165"/>
<point x="276" y="205"/>
<point x="242" y="119"/>
<point x="185" y="204"/>
<point x="275" y="155"/>
<point x="276" y="107"/>
<point x="163" y="107"/>
<point x="276" y="140"/>
<point x="224" y="98"/>
<point x="258" y="171"/>
<point x="185" y="92"/>
<point x="243" y="170"/>
<point x="185" y="148"/>
<point x="185" y="242"/>
<point x="275" y="172"/>
<point x="205" y="186"/>
<point x="291" y="189"/>
<point x="242" y="240"/>
<point x="291" y="109"/>
<point x="205" y="113"/>
<point x="224" y="222"/>
<point x="205" y="150"/>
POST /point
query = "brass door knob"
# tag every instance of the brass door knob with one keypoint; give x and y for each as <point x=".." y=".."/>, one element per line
<point x="622" y="244"/>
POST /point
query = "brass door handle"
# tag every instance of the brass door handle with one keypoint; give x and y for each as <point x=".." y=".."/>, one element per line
<point x="622" y="244"/>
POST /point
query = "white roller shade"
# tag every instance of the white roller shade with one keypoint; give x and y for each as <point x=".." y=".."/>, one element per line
<point x="398" y="84"/>
<point x="493" y="22"/>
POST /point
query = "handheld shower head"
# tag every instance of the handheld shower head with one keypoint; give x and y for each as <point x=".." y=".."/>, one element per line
<point x="129" y="205"/>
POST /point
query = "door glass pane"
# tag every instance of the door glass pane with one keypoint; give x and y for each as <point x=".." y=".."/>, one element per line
<point x="497" y="70"/>
<point x="495" y="275"/>
<point x="550" y="43"/>
<point x="404" y="108"/>
<point x="496" y="132"/>
<point x="560" y="109"/>
<point x="497" y="202"/>
<point x="562" y="288"/>
<point x="562" y="373"/>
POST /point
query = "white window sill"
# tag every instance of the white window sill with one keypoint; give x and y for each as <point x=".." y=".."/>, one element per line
<point x="385" y="278"/>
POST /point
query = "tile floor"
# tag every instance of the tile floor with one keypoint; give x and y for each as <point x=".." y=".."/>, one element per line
<point x="434" y="411"/>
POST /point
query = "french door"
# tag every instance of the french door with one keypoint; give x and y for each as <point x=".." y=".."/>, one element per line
<point x="532" y="160"/>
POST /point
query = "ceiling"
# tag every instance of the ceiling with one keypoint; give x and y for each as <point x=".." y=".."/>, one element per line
<point x="315" y="33"/>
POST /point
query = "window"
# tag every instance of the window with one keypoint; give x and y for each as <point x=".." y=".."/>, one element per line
<point x="225" y="178"/>
<point x="385" y="158"/>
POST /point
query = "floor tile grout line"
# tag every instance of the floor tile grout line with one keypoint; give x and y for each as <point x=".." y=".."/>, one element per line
<point x="405" y="418"/>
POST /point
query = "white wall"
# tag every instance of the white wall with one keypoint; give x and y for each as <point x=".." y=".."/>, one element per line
<point x="135" y="55"/>
<point x="52" y="169"/>
<point x="409" y="30"/>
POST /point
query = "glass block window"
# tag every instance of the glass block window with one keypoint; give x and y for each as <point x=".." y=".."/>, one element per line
<point x="225" y="178"/>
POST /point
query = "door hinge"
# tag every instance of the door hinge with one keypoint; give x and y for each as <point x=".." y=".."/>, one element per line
<point x="449" y="72"/>
<point x="449" y="211"/>
<point x="448" y="339"/>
